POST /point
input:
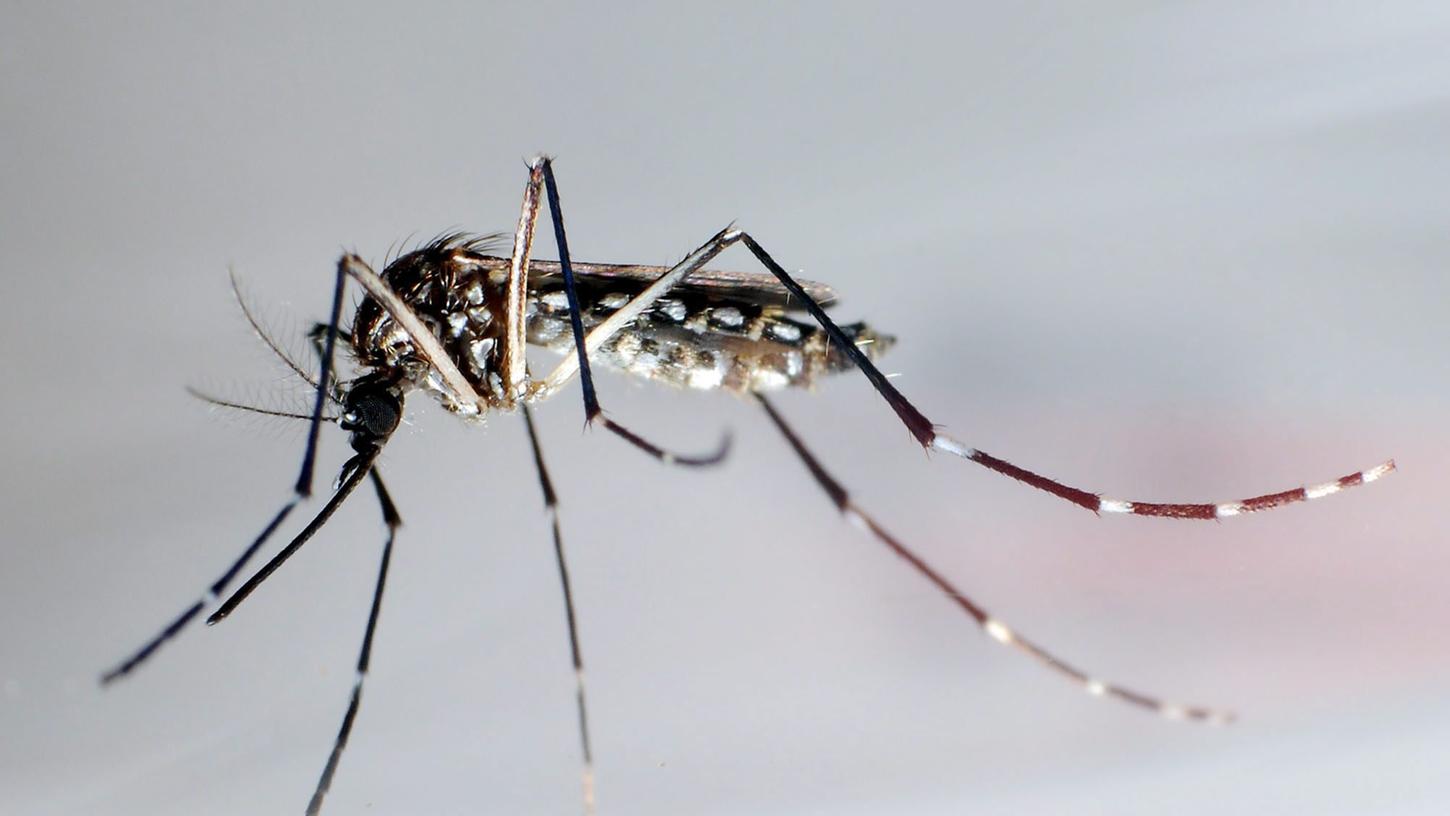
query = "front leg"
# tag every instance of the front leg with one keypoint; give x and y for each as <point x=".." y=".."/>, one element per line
<point x="513" y="368"/>
<point x="466" y="400"/>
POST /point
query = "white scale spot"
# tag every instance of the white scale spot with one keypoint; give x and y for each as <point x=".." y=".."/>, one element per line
<point x="478" y="352"/>
<point x="998" y="631"/>
<point x="784" y="332"/>
<point x="1173" y="712"/>
<point x="855" y="519"/>
<point x="614" y="300"/>
<point x="556" y="300"/>
<point x="588" y="781"/>
<point x="1228" y="509"/>
<point x="1376" y="472"/>
<point x="946" y="444"/>
<point x="671" y="308"/>
<point x="1321" y="490"/>
<point x="474" y="293"/>
<point x="795" y="363"/>
<point x="706" y="378"/>
<point x="728" y="316"/>
<point x="768" y="380"/>
<point x="495" y="383"/>
<point x="1096" y="688"/>
<point x="1114" y="506"/>
<point x="457" y="322"/>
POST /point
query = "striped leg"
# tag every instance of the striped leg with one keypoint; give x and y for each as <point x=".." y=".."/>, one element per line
<point x="993" y="627"/>
<point x="301" y="490"/>
<point x="212" y="594"/>
<point x="926" y="434"/>
<point x="551" y="504"/>
<point x="393" y="521"/>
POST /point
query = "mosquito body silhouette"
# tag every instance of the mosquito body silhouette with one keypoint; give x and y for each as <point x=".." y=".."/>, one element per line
<point x="452" y="320"/>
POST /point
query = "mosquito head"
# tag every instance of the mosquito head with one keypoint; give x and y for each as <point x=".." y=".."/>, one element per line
<point x="372" y="410"/>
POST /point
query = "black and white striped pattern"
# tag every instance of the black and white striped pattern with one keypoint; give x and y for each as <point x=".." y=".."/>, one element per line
<point x="993" y="627"/>
<point x="1177" y="510"/>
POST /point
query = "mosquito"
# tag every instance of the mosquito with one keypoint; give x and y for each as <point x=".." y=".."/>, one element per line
<point x="453" y="321"/>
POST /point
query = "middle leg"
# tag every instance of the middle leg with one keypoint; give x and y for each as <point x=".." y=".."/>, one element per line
<point x="551" y="504"/>
<point x="584" y="346"/>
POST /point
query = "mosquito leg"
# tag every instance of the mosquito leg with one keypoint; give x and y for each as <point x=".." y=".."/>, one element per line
<point x="592" y="411"/>
<point x="210" y="597"/>
<point x="427" y="344"/>
<point x="993" y="627"/>
<point x="513" y="365"/>
<point x="353" y="471"/>
<point x="926" y="434"/>
<point x="318" y="335"/>
<point x="551" y="504"/>
<point x="324" y="381"/>
<point x="393" y="521"/>
<point x="301" y="490"/>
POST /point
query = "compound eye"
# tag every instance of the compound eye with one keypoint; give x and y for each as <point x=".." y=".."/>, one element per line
<point x="373" y="412"/>
<point x="377" y="414"/>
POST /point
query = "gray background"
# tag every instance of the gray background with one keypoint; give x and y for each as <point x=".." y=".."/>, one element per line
<point x="1183" y="252"/>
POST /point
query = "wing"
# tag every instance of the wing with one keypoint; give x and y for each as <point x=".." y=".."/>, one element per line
<point x="757" y="288"/>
